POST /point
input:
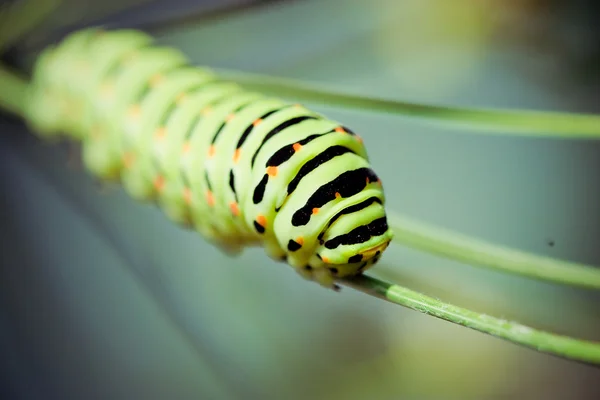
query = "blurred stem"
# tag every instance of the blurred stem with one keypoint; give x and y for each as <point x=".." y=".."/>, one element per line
<point x="562" y="346"/>
<point x="13" y="90"/>
<point x="506" y="122"/>
<point x="453" y="245"/>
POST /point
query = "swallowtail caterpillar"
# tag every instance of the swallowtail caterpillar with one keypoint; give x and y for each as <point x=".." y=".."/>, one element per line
<point x="241" y="168"/>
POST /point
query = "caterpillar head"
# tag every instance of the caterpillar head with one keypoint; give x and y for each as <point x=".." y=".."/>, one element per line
<point x="332" y="221"/>
<point x="355" y="238"/>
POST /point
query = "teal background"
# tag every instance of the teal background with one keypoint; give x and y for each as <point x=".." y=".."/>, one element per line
<point x="101" y="297"/>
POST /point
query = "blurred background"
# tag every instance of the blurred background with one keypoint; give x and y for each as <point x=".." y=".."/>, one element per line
<point x="102" y="297"/>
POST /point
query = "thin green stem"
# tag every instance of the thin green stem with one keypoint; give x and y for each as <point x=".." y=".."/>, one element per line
<point x="562" y="346"/>
<point x="13" y="90"/>
<point x="506" y="122"/>
<point x="453" y="245"/>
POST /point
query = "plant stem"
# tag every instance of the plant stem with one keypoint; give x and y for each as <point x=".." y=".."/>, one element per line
<point x="13" y="90"/>
<point x="562" y="346"/>
<point x="506" y="122"/>
<point x="453" y="245"/>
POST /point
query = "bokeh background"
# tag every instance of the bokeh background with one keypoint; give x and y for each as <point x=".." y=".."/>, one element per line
<point x="102" y="298"/>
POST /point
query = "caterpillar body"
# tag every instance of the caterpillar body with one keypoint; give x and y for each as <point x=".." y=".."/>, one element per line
<point x="241" y="168"/>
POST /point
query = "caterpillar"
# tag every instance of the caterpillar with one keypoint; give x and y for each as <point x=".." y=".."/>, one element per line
<point x="241" y="168"/>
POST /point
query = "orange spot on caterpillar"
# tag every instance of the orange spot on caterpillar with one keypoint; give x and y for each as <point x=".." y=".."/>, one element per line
<point x="187" y="195"/>
<point x="339" y="129"/>
<point x="236" y="155"/>
<point x="379" y="181"/>
<point x="368" y="181"/>
<point x="300" y="240"/>
<point x="160" y="133"/>
<point x="230" y="117"/>
<point x="235" y="209"/>
<point x="257" y="122"/>
<point x="325" y="260"/>
<point x="337" y="195"/>
<point x="159" y="183"/>
<point x="315" y="211"/>
<point x="211" y="151"/>
<point x="272" y="171"/>
<point x="261" y="220"/>
<point x="358" y="139"/>
<point x="186" y="147"/>
<point x="210" y="199"/>
<point x="156" y="79"/>
<point x="128" y="159"/>
<point x="297" y="147"/>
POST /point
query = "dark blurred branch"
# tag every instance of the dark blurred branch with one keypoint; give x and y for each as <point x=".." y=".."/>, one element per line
<point x="16" y="19"/>
<point x="148" y="15"/>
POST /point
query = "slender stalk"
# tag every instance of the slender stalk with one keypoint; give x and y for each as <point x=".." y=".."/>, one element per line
<point x="13" y="90"/>
<point x="453" y="245"/>
<point x="506" y="122"/>
<point x="562" y="346"/>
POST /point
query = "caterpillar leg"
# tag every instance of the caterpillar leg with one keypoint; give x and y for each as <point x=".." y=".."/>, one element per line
<point x="232" y="249"/>
<point x="274" y="251"/>
<point x="320" y="275"/>
<point x="324" y="278"/>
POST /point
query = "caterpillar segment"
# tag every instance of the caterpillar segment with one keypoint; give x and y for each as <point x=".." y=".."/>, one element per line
<point x="241" y="168"/>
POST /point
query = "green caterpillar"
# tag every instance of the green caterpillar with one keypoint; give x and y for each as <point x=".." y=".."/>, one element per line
<point x="241" y="168"/>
